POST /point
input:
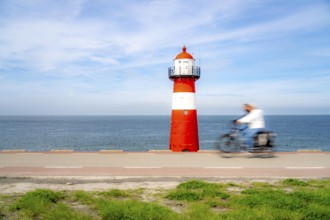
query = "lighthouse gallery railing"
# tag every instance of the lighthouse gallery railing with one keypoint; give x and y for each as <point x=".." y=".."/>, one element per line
<point x="193" y="71"/>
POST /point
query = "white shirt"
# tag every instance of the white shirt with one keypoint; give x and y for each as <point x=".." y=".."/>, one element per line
<point x="255" y="119"/>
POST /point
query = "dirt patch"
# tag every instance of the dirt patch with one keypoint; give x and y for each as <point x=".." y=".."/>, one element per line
<point x="9" y="185"/>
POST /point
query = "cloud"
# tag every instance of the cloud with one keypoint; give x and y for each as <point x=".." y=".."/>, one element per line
<point x="105" y="51"/>
<point x="49" y="43"/>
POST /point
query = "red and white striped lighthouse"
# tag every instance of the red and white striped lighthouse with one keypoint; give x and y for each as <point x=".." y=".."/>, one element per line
<point x="184" y="126"/>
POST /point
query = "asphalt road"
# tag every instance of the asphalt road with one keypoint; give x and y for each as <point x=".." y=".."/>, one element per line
<point x="166" y="164"/>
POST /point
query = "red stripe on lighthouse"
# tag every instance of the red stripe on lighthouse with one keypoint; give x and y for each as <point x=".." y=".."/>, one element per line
<point x="184" y="85"/>
<point x="184" y="131"/>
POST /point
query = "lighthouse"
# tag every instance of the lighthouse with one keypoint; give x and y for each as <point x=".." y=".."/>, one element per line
<point x="184" y="125"/>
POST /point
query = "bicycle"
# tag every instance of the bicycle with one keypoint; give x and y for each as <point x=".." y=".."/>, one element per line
<point x="264" y="141"/>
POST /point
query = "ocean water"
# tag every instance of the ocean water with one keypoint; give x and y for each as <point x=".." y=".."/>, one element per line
<point x="142" y="133"/>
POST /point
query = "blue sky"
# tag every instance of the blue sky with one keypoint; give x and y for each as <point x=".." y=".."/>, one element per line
<point x="100" y="57"/>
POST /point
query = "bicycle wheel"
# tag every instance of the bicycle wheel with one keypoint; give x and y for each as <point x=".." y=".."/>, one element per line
<point x="226" y="143"/>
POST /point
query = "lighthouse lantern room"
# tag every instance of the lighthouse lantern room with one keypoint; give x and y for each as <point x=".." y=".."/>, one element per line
<point x="184" y="126"/>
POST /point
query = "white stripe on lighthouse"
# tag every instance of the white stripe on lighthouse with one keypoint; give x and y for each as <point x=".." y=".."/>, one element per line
<point x="183" y="101"/>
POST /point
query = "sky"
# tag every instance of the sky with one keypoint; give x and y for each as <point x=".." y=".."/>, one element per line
<point x="103" y="57"/>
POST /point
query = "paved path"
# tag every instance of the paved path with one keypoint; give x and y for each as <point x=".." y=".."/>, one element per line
<point x="165" y="164"/>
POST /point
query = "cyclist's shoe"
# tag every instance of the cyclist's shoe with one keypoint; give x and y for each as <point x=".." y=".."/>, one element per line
<point x="254" y="150"/>
<point x="260" y="149"/>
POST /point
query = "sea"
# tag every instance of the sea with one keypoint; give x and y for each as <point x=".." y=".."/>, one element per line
<point x="143" y="133"/>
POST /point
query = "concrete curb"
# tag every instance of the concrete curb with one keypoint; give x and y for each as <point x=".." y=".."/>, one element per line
<point x="8" y="151"/>
<point x="160" y="151"/>
<point x="14" y="151"/>
<point x="62" y="151"/>
<point x="110" y="151"/>
<point x="309" y="150"/>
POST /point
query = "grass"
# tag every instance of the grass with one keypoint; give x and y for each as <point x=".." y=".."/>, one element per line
<point x="303" y="201"/>
<point x="133" y="209"/>
<point x="36" y="203"/>
<point x="197" y="190"/>
<point x="294" y="182"/>
<point x="287" y="199"/>
<point x="64" y="212"/>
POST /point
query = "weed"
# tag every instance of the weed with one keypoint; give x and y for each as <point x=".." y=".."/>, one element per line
<point x="317" y="196"/>
<point x="2" y="213"/>
<point x="302" y="203"/>
<point x="135" y="210"/>
<point x="317" y="212"/>
<point x="115" y="193"/>
<point x="83" y="197"/>
<point x="215" y="203"/>
<point x="199" y="211"/>
<point x="197" y="190"/>
<point x="195" y="184"/>
<point x="261" y="185"/>
<point x="320" y="183"/>
<point x="37" y="202"/>
<point x="259" y="213"/>
<point x="271" y="198"/>
<point x="231" y="184"/>
<point x="294" y="182"/>
<point x="186" y="195"/>
<point x="216" y="193"/>
<point x="64" y="212"/>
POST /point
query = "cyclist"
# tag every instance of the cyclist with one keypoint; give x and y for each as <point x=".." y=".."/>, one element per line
<point x="254" y="119"/>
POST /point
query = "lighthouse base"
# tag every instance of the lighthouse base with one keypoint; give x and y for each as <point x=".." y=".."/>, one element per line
<point x="184" y="131"/>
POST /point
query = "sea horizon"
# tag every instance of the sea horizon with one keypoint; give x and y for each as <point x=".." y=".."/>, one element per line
<point x="162" y="115"/>
<point x="147" y="132"/>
